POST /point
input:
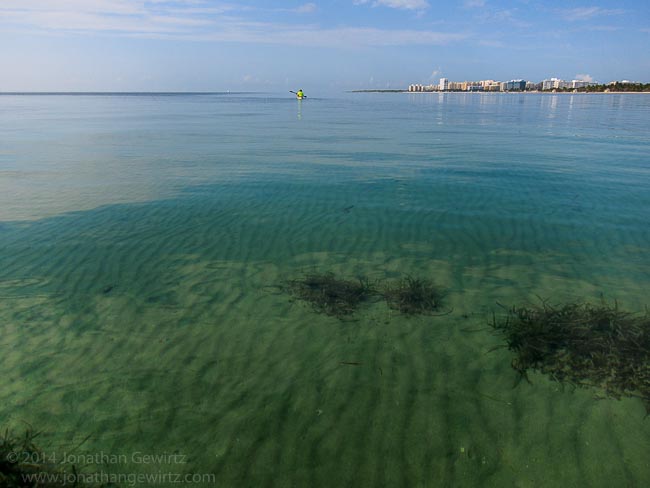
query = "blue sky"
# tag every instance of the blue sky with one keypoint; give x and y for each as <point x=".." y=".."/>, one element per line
<point x="210" y="45"/>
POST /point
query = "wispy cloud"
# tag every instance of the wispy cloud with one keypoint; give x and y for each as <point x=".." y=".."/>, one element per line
<point x="63" y="21"/>
<point x="343" y="37"/>
<point x="584" y="77"/>
<point x="195" y="20"/>
<point x="508" y="16"/>
<point x="400" y="4"/>
<point x="109" y="15"/>
<point x="307" y="8"/>
<point x="491" y="43"/>
<point x="602" y="28"/>
<point x="474" y="3"/>
<point x="586" y="13"/>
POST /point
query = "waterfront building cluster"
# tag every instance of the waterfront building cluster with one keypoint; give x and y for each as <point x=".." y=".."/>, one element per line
<point x="499" y="86"/>
<point x="558" y="84"/>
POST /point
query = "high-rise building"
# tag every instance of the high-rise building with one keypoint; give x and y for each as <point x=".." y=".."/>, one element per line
<point x="416" y="87"/>
<point x="580" y="83"/>
<point x="515" y="85"/>
<point x="491" y="85"/>
<point x="555" y="84"/>
<point x="444" y="84"/>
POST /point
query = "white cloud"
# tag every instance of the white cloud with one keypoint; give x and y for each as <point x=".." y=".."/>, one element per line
<point x="435" y="73"/>
<point x="344" y="37"/>
<point x="474" y="3"/>
<point x="586" y="13"/>
<point x="114" y="7"/>
<point x="405" y="4"/>
<point x="108" y="15"/>
<point x="587" y="78"/>
<point x="195" y="20"/>
<point x="506" y="16"/>
<point x="61" y="21"/>
<point x="491" y="43"/>
<point x="401" y="4"/>
<point x="307" y="8"/>
<point x="602" y="28"/>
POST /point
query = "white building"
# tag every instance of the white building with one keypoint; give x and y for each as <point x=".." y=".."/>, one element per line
<point x="555" y="84"/>
<point x="444" y="84"/>
<point x="416" y="87"/>
<point x="491" y="85"/>
<point x="579" y="83"/>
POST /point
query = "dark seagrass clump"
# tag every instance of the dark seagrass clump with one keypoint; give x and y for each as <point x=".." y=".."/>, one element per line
<point x="413" y="296"/>
<point x="24" y="465"/>
<point x="331" y="295"/>
<point x="583" y="345"/>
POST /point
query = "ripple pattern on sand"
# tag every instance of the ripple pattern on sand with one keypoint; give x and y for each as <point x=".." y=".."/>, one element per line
<point x="161" y="326"/>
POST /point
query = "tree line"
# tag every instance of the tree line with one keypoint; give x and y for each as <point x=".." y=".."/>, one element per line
<point x="612" y="87"/>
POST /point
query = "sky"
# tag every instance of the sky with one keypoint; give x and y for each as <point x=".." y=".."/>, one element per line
<point x="319" y="46"/>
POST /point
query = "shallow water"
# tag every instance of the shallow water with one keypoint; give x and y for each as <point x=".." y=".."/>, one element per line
<point x="143" y="239"/>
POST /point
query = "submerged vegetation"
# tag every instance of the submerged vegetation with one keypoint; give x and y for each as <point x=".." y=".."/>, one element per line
<point x="413" y="296"/>
<point x="24" y="465"/>
<point x="582" y="345"/>
<point x="339" y="297"/>
<point x="331" y="295"/>
<point x="579" y="344"/>
<point x="20" y="460"/>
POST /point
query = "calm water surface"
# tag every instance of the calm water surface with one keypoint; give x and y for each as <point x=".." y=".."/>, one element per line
<point x="144" y="239"/>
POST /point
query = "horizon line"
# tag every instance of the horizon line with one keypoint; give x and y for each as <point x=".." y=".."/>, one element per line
<point x="111" y="92"/>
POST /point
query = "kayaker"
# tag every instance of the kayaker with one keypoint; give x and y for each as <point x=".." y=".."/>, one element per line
<point x="300" y="94"/>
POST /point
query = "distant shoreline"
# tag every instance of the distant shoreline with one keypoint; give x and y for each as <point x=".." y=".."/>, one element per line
<point x="507" y="92"/>
<point x="130" y="93"/>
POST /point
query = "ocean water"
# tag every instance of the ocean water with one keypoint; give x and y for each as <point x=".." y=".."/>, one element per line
<point x="144" y="240"/>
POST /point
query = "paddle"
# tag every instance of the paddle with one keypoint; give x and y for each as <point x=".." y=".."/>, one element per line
<point x="304" y="96"/>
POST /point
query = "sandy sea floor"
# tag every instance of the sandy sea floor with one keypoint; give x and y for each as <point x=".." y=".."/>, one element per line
<point x="144" y="249"/>
<point x="149" y="345"/>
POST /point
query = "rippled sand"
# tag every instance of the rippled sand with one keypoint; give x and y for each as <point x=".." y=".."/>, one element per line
<point x="161" y="327"/>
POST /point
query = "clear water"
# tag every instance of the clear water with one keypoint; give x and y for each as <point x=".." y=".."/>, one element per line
<point x="142" y="239"/>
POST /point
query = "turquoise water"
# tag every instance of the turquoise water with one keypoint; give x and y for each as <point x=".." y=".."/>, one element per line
<point x="143" y="239"/>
